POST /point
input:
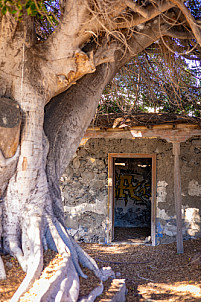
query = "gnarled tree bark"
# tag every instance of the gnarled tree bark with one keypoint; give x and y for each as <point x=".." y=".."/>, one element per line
<point x="39" y="76"/>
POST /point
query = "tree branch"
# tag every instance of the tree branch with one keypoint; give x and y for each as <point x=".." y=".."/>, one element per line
<point x="171" y="32"/>
<point x="94" y="25"/>
<point x="67" y="64"/>
<point x="74" y="15"/>
<point x="190" y="19"/>
<point x="137" y="8"/>
<point x="152" y="12"/>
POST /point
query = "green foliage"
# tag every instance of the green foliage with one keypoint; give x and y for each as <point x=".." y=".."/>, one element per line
<point x="18" y="6"/>
<point x="45" y="11"/>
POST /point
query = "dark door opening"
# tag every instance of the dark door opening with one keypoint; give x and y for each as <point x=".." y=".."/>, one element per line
<point x="132" y="199"/>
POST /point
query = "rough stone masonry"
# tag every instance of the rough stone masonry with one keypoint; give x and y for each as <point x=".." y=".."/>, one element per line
<point x="84" y="187"/>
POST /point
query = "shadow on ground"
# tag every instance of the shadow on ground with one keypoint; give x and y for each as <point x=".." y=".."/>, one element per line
<point x="153" y="273"/>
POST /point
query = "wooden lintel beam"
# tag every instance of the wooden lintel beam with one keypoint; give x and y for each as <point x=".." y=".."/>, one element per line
<point x="179" y="134"/>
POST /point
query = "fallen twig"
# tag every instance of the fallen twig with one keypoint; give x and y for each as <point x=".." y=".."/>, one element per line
<point x="145" y="278"/>
<point x="115" y="262"/>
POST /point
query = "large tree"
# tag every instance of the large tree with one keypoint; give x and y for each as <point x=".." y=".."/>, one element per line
<point x="50" y="86"/>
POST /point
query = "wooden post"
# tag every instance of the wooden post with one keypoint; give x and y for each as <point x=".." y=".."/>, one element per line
<point x="153" y="201"/>
<point x="177" y="196"/>
<point x="110" y="205"/>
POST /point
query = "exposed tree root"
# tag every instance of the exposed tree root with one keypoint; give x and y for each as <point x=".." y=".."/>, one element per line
<point x="36" y="229"/>
<point x="2" y="270"/>
<point x="93" y="294"/>
<point x="33" y="262"/>
<point x="58" y="232"/>
<point x="64" y="284"/>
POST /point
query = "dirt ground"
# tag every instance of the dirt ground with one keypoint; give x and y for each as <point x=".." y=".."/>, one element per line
<point x="131" y="235"/>
<point x="154" y="273"/>
<point x="151" y="273"/>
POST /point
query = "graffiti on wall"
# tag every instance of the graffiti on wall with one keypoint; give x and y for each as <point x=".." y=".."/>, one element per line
<point x="126" y="186"/>
<point x="132" y="200"/>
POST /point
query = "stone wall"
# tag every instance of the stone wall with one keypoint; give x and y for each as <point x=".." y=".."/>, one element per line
<point x="84" y="187"/>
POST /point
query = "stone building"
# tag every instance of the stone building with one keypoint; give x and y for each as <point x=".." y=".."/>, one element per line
<point x="136" y="172"/>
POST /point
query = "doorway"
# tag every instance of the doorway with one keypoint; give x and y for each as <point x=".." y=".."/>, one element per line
<point x="131" y="202"/>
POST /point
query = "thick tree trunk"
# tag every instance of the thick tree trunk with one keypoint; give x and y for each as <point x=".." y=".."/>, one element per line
<point x="29" y="206"/>
<point x="66" y="119"/>
<point x="27" y="192"/>
<point x="32" y="212"/>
